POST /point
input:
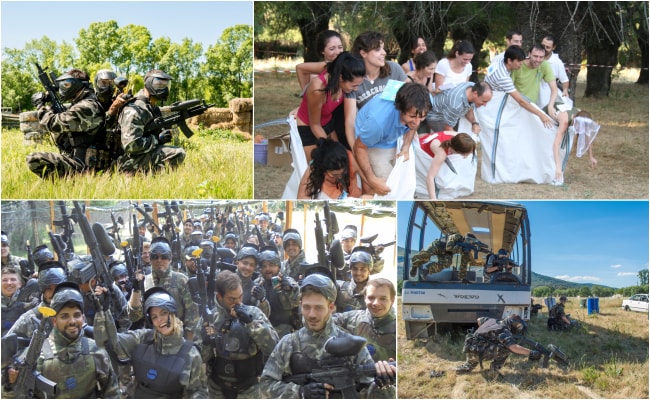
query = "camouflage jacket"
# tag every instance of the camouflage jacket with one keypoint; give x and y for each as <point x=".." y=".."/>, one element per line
<point x="12" y="261"/>
<point x="81" y="125"/>
<point x="380" y="332"/>
<point x="28" y="322"/>
<point x="310" y="344"/>
<point x="138" y="135"/>
<point x="15" y="306"/>
<point x="350" y="296"/>
<point x="284" y="304"/>
<point x="262" y="337"/>
<point x="247" y="285"/>
<point x="557" y="311"/>
<point x="176" y="284"/>
<point x="292" y="268"/>
<point x="191" y="376"/>
<point x="76" y="374"/>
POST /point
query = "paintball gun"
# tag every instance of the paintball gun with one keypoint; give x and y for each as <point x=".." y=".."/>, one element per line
<point x="58" y="246"/>
<point x="29" y="379"/>
<point x="29" y="267"/>
<point x="50" y="89"/>
<point x="68" y="229"/>
<point x="330" y="254"/>
<point x="182" y="111"/>
<point x="147" y="217"/>
<point x="472" y="244"/>
<point x="339" y="370"/>
<point x="377" y="261"/>
<point x="198" y="288"/>
<point x="134" y="255"/>
<point x="549" y="352"/>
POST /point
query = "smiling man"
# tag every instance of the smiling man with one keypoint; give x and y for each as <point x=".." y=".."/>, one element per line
<point x="378" y="126"/>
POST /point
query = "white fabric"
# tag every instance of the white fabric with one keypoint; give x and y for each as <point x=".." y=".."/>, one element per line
<point x="586" y="129"/>
<point x="451" y="185"/>
<point x="299" y="161"/>
<point x="560" y="74"/>
<point x="521" y="151"/>
<point x="452" y="78"/>
<point x="401" y="180"/>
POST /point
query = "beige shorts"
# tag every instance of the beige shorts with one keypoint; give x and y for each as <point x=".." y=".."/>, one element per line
<point x="381" y="161"/>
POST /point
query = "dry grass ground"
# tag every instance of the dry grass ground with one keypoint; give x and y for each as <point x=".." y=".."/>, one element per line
<point x="608" y="359"/>
<point x="621" y="148"/>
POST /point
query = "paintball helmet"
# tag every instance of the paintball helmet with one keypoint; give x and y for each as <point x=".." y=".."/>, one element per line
<point x="452" y="241"/>
<point x="291" y="234"/>
<point x="563" y="298"/>
<point x="157" y="84"/>
<point x="121" y="82"/>
<point x="189" y="250"/>
<point x="42" y="255"/>
<point x="118" y="270"/>
<point x="105" y="82"/>
<point x="348" y="233"/>
<point x="69" y="85"/>
<point x="66" y="293"/>
<point x="158" y="297"/>
<point x="268" y="253"/>
<point x="81" y="271"/>
<point x="230" y="236"/>
<point x="5" y="238"/>
<point x="322" y="283"/>
<point x="516" y="325"/>
<point x="247" y="250"/>
<point x="160" y="246"/>
<point x="361" y="254"/>
<point x="50" y="276"/>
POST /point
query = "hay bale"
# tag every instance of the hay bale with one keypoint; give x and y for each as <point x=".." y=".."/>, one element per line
<point x="241" y="105"/>
<point x="28" y="116"/>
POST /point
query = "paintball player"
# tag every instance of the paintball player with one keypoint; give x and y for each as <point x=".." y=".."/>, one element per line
<point x="493" y="340"/>
<point x="235" y="343"/>
<point x="254" y="294"/>
<point x="377" y="322"/>
<point x="351" y="294"/>
<point x="186" y="237"/>
<point x="230" y="241"/>
<point x="83" y="273"/>
<point x="557" y="318"/>
<point x="78" y="132"/>
<point x="348" y="238"/>
<point x="263" y="226"/>
<point x="281" y="292"/>
<point x="104" y="90"/>
<point x="75" y="363"/>
<point x="142" y="141"/>
<point x="8" y="259"/>
<point x="145" y="258"/>
<point x="444" y="250"/>
<point x="15" y="300"/>
<point x="121" y="278"/>
<point x="292" y="242"/>
<point x="161" y="352"/>
<point x="174" y="282"/>
<point x="306" y="347"/>
<point x="497" y="263"/>
<point x="190" y="261"/>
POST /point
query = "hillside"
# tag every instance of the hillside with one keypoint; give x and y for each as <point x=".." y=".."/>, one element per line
<point x="543" y="280"/>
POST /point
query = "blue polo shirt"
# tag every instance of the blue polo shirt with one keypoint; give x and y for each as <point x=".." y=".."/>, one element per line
<point x="378" y="124"/>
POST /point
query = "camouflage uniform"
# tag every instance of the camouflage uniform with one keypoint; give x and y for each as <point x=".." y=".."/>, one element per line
<point x="80" y="135"/>
<point x="350" y="296"/>
<point x="247" y="286"/>
<point x="292" y="267"/>
<point x="284" y="305"/>
<point x="176" y="284"/>
<point x="310" y="344"/>
<point x="77" y="368"/>
<point x="118" y="308"/>
<point x="489" y="342"/>
<point x="12" y="261"/>
<point x="380" y="332"/>
<point x="444" y="252"/>
<point x="190" y="377"/>
<point x="15" y="306"/>
<point x="234" y="372"/>
<point x="139" y="139"/>
<point x="28" y="322"/>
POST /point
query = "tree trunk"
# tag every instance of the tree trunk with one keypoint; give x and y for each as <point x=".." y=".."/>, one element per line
<point x="601" y="44"/>
<point x="311" y="26"/>
<point x="642" y="39"/>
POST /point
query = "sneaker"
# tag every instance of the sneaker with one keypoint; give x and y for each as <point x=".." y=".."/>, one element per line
<point x="557" y="182"/>
<point x="464" y="368"/>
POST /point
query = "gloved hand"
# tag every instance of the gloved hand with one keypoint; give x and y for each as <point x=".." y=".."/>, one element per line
<point x="258" y="293"/>
<point x="286" y="285"/>
<point x="313" y="390"/>
<point x="242" y="315"/>
<point x="165" y="136"/>
<point x="117" y="104"/>
<point x="207" y="334"/>
<point x="534" y="355"/>
<point x="38" y="100"/>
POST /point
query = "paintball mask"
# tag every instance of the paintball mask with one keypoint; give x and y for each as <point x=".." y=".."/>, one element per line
<point x="104" y="83"/>
<point x="157" y="84"/>
<point x="69" y="86"/>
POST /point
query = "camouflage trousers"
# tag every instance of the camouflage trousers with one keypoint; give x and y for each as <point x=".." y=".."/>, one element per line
<point x="496" y="353"/>
<point x="444" y="261"/>
<point x="153" y="161"/>
<point x="47" y="165"/>
<point x="215" y="392"/>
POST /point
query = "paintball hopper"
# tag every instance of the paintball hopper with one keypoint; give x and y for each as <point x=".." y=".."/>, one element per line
<point x="336" y="254"/>
<point x="105" y="242"/>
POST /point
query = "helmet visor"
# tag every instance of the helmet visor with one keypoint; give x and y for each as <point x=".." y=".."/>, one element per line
<point x="66" y="84"/>
<point x="159" y="83"/>
<point x="104" y="83"/>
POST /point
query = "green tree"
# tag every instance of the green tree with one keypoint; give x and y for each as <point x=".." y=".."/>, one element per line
<point x="229" y="64"/>
<point x="542" y="291"/>
<point x="182" y="62"/>
<point x="643" y="277"/>
<point x="584" y="291"/>
<point x="134" y="51"/>
<point x="98" y="44"/>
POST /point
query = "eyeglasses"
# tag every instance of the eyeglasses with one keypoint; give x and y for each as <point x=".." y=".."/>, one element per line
<point x="160" y="256"/>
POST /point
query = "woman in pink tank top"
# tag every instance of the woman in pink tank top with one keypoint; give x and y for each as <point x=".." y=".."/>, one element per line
<point x="439" y="145"/>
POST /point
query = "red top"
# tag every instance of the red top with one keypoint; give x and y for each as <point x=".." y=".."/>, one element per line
<point x="327" y="109"/>
<point x="425" y="141"/>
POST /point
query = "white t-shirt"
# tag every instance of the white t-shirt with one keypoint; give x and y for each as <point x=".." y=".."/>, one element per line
<point x="560" y="73"/>
<point x="452" y="78"/>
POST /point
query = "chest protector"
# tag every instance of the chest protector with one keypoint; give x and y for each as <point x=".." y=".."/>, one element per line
<point x="75" y="379"/>
<point x="10" y="314"/>
<point x="158" y="375"/>
<point x="233" y="361"/>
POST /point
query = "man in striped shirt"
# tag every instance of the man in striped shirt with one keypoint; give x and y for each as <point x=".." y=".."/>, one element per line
<point x="450" y="105"/>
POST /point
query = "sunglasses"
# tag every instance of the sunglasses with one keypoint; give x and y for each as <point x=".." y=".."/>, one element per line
<point x="161" y="257"/>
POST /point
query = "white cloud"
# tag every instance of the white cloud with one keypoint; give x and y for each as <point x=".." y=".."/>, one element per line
<point x="616" y="266"/>
<point x="578" y="278"/>
<point x="627" y="274"/>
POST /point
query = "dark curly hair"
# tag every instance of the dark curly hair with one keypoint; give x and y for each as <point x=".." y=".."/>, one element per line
<point x="329" y="156"/>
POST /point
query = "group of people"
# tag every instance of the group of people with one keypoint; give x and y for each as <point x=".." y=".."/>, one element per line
<point x="350" y="125"/>
<point x="256" y="325"/>
<point x="103" y="127"/>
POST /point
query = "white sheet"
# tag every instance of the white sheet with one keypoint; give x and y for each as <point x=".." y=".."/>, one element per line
<point x="515" y="145"/>
<point x="299" y="161"/>
<point x="402" y="179"/>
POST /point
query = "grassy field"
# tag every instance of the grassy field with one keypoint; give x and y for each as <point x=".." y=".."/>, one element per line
<point x="218" y="165"/>
<point x="608" y="359"/>
<point x="621" y="147"/>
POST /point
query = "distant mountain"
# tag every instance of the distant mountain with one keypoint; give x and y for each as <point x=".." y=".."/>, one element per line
<point x="543" y="280"/>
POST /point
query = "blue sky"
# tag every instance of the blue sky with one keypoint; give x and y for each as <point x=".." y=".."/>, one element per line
<point x="201" y="21"/>
<point x="600" y="242"/>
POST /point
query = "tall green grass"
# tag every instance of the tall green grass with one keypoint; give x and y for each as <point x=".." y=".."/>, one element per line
<point x="218" y="165"/>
